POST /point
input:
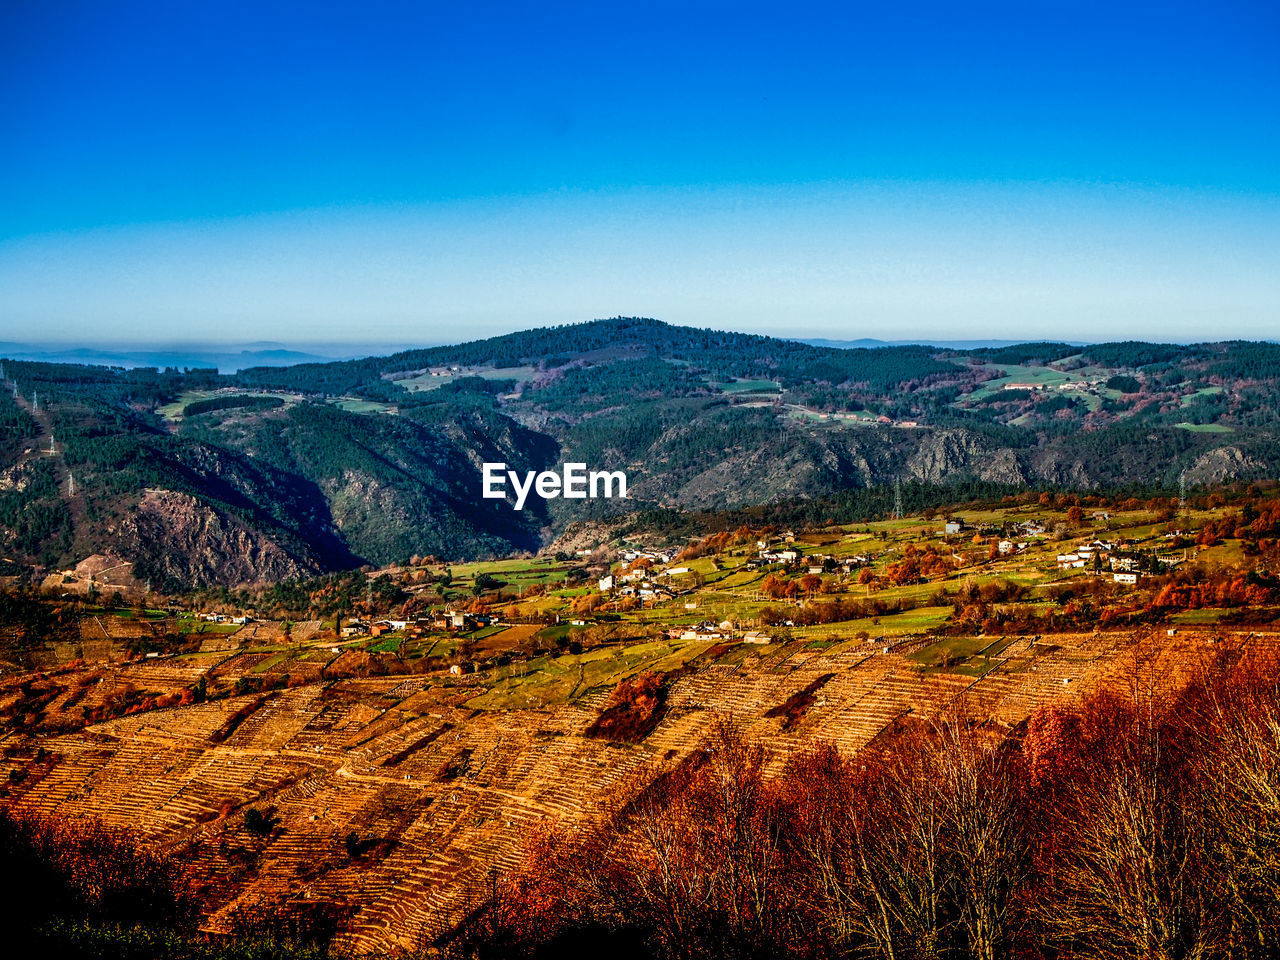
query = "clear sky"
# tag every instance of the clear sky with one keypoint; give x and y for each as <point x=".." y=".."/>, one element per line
<point x="432" y="172"/>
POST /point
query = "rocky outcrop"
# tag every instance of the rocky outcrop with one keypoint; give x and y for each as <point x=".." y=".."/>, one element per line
<point x="174" y="537"/>
<point x="943" y="455"/>
<point x="1223" y="464"/>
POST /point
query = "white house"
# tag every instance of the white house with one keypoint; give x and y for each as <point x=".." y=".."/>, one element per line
<point x="694" y="633"/>
<point x="1128" y="579"/>
<point x="606" y="584"/>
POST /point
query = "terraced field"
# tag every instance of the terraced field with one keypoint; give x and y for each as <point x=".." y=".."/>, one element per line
<point x="443" y="778"/>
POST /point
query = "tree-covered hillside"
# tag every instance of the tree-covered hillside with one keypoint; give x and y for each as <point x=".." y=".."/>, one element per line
<point x="197" y="477"/>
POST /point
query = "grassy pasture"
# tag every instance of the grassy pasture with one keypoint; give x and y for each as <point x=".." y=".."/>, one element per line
<point x="1016" y="373"/>
<point x="354" y="405"/>
<point x="747" y="386"/>
<point x="1204" y="427"/>
<point x="173" y="411"/>
<point x="425" y="381"/>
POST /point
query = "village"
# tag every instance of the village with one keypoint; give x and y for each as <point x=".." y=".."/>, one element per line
<point x="900" y="578"/>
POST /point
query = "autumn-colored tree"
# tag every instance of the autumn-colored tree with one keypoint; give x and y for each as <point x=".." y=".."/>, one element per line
<point x="774" y="587"/>
<point x="904" y="571"/>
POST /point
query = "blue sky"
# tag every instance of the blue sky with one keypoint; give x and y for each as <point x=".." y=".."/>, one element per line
<point x="427" y="172"/>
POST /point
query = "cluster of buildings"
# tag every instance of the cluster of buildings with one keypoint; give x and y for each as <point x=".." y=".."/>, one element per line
<point x="781" y="550"/>
<point x="1125" y="568"/>
<point x="455" y="620"/>
<point x="632" y="554"/>
<point x="768" y="554"/>
<point x="639" y="583"/>
<point x="1085" y="554"/>
<point x="724" y="630"/>
<point x="223" y="618"/>
<point x="817" y="563"/>
<point x="1068" y="386"/>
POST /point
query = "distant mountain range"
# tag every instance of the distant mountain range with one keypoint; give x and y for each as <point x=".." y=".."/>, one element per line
<point x="281" y="471"/>
<point x="232" y="358"/>
<point x="225" y="358"/>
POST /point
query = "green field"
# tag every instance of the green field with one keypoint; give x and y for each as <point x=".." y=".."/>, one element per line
<point x="272" y="661"/>
<point x="747" y="386"/>
<point x="1208" y="615"/>
<point x="1196" y="395"/>
<point x="389" y="644"/>
<point x="173" y="411"/>
<point x="970" y="656"/>
<point x="201" y="626"/>
<point x="1205" y="427"/>
<point x="1015" y="373"/>
<point x="425" y="381"/>
<point x="352" y="405"/>
<point x="547" y="680"/>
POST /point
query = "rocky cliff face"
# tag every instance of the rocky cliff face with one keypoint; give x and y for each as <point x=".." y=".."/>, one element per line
<point x="943" y="454"/>
<point x="173" y="537"/>
<point x="1223" y="464"/>
<point x="796" y="463"/>
<point x="321" y="494"/>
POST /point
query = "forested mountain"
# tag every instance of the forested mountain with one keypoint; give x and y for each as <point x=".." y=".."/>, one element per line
<point x="202" y="478"/>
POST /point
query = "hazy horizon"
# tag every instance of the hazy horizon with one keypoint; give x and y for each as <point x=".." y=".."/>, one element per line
<point x="373" y="348"/>
<point x="422" y="173"/>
